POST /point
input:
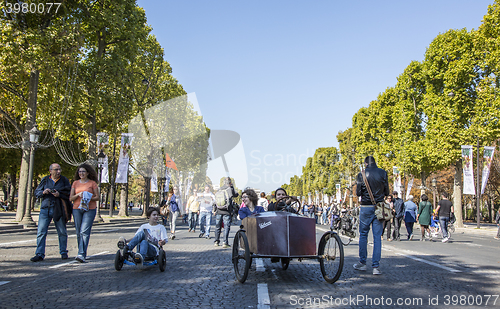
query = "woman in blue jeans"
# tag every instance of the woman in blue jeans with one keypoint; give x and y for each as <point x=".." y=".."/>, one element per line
<point x="84" y="194"/>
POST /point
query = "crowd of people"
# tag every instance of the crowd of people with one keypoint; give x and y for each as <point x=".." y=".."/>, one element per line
<point x="60" y="200"/>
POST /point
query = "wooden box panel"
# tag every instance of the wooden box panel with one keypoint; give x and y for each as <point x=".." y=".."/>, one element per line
<point x="281" y="234"/>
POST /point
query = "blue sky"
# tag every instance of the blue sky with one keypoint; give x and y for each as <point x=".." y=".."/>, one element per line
<point x="289" y="75"/>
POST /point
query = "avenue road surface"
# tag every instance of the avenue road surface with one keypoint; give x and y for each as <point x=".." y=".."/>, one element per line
<point x="464" y="273"/>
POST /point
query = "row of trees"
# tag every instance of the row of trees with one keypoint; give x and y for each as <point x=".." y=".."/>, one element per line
<point x="90" y="67"/>
<point x="449" y="99"/>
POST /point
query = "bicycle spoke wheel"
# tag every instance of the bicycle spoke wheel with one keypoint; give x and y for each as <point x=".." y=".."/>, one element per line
<point x="331" y="256"/>
<point x="241" y="256"/>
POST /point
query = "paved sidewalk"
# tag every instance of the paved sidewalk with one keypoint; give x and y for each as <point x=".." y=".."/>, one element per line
<point x="9" y="225"/>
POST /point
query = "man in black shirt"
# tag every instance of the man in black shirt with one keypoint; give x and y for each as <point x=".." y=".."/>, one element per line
<point x="444" y="209"/>
<point x="398" y="217"/>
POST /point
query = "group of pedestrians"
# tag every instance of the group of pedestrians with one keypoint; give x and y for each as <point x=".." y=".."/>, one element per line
<point x="60" y="200"/>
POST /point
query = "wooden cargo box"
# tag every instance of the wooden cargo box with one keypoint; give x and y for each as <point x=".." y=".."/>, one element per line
<point x="281" y="234"/>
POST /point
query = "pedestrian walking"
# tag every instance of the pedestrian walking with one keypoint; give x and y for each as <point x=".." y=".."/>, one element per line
<point x="387" y="224"/>
<point x="424" y="216"/>
<point x="398" y="215"/>
<point x="174" y="203"/>
<point x="54" y="191"/>
<point x="193" y="209"/>
<point x="444" y="210"/>
<point x="263" y="202"/>
<point x="207" y="200"/>
<point x="224" y="211"/>
<point x="410" y="216"/>
<point x="84" y="195"/>
<point x="375" y="179"/>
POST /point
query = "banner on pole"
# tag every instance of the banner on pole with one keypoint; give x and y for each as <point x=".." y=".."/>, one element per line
<point x="123" y="161"/>
<point x="468" y="170"/>
<point x="154" y="182"/>
<point x="338" y="193"/>
<point x="397" y="179"/>
<point x="105" y="171"/>
<point x="488" y="158"/>
<point x="167" y="180"/>
<point x="169" y="162"/>
<point x="408" y="190"/>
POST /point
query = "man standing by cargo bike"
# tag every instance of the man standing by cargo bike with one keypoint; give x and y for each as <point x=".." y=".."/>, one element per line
<point x="377" y="180"/>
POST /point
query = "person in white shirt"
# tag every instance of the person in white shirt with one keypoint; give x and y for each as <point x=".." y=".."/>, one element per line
<point x="150" y="237"/>
<point x="207" y="200"/>
<point x="263" y="202"/>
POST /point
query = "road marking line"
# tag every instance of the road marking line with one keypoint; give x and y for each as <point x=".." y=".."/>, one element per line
<point x="4" y="282"/>
<point x="107" y="231"/>
<point x="259" y="263"/>
<point x="422" y="260"/>
<point x="27" y="241"/>
<point x="263" y="295"/>
<point x="73" y="262"/>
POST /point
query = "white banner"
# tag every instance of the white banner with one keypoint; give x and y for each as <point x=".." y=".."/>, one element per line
<point x="154" y="182"/>
<point x="309" y="200"/>
<point x="325" y="199"/>
<point x="397" y="179"/>
<point x="408" y="190"/>
<point x="167" y="180"/>
<point x="105" y="171"/>
<point x="488" y="158"/>
<point x="123" y="161"/>
<point x="468" y="170"/>
<point x="338" y="193"/>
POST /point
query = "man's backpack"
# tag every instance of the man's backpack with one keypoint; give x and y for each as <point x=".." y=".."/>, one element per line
<point x="222" y="199"/>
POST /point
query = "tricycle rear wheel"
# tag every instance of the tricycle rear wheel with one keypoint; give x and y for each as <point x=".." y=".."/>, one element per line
<point x="162" y="260"/>
<point x="241" y="256"/>
<point x="331" y="256"/>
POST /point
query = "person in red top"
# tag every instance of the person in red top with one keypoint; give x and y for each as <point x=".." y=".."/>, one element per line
<point x="84" y="194"/>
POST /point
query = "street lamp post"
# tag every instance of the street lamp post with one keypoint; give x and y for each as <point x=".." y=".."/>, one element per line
<point x="101" y="158"/>
<point x="27" y="219"/>
<point x="434" y="186"/>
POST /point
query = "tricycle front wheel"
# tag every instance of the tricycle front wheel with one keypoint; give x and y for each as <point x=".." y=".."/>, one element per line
<point x="331" y="256"/>
<point x="162" y="260"/>
<point x="241" y="256"/>
<point x="118" y="260"/>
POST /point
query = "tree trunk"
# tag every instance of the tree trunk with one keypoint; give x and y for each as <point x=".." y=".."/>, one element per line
<point x="423" y="186"/>
<point x="147" y="189"/>
<point x="92" y="154"/>
<point x="457" y="194"/>
<point x="30" y="122"/>
<point x="123" y="201"/>
<point x="12" y="191"/>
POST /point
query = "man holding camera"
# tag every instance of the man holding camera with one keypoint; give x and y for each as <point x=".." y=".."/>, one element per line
<point x="54" y="191"/>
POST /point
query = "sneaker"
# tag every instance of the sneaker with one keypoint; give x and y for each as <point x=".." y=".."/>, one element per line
<point x="376" y="271"/>
<point x="389" y="239"/>
<point x="216" y="243"/>
<point x="189" y="230"/>
<point x="359" y="266"/>
<point x="36" y="258"/>
<point x="411" y="237"/>
<point x="64" y="256"/>
<point x="445" y="239"/>
<point x="80" y="258"/>
<point x="173" y="237"/>
<point x="201" y="235"/>
<point x="138" y="259"/>
<point x="496" y="237"/>
<point x="125" y="251"/>
<point x="207" y="237"/>
<point x="423" y="239"/>
<point x="121" y="242"/>
<point x="225" y="246"/>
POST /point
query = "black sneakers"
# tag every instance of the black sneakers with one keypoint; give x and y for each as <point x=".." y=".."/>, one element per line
<point x="64" y="256"/>
<point x="36" y="258"/>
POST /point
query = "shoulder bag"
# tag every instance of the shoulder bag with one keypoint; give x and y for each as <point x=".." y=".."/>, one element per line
<point x="382" y="210"/>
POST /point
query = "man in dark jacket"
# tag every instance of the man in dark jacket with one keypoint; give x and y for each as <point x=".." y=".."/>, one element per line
<point x="224" y="214"/>
<point x="398" y="217"/>
<point x="54" y="191"/>
<point x="378" y="181"/>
